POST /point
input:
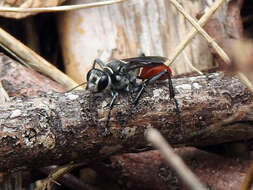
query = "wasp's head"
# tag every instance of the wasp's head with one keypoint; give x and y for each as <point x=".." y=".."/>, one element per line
<point x="97" y="80"/>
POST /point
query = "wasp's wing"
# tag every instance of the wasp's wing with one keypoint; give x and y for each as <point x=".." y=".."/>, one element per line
<point x="138" y="62"/>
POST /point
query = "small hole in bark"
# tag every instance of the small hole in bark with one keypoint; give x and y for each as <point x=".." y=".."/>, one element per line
<point x="247" y="18"/>
<point x="107" y="161"/>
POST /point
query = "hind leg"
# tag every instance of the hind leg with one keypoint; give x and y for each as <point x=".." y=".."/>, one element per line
<point x="172" y="95"/>
<point x="147" y="82"/>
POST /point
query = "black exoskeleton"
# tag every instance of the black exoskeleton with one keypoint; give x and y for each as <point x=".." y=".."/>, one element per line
<point x="124" y="76"/>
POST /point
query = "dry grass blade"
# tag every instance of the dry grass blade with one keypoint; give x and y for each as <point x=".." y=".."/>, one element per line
<point x="34" y="60"/>
<point x="59" y="8"/>
<point x="210" y="40"/>
<point x="14" y="55"/>
<point x="248" y="180"/>
<point x="56" y="174"/>
<point x="216" y="47"/>
<point x="174" y="160"/>
<point x="203" y="20"/>
<point x="3" y="95"/>
<point x="187" y="60"/>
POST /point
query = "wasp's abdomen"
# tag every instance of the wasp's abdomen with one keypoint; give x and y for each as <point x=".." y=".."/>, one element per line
<point x="150" y="71"/>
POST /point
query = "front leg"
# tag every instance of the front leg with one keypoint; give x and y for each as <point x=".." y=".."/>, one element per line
<point x="111" y="104"/>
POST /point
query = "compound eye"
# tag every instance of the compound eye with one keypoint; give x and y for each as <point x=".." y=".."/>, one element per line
<point x="102" y="83"/>
<point x="88" y="75"/>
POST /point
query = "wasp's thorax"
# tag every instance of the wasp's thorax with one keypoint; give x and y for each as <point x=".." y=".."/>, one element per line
<point x="121" y="80"/>
<point x="97" y="80"/>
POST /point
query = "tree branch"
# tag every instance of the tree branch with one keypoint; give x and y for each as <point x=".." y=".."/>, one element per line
<point x="55" y="128"/>
<point x="148" y="170"/>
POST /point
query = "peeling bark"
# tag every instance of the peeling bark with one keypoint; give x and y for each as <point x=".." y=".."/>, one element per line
<point x="55" y="128"/>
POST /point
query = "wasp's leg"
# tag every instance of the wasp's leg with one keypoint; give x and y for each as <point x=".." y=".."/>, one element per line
<point x="172" y="96"/>
<point x="99" y="62"/>
<point x="145" y="83"/>
<point x="107" y="105"/>
<point x="111" y="104"/>
<point x="171" y="88"/>
<point x="140" y="90"/>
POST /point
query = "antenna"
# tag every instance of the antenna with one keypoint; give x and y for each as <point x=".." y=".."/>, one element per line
<point x="75" y="87"/>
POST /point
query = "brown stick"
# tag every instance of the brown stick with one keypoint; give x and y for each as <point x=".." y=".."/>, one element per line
<point x="247" y="183"/>
<point x="211" y="41"/>
<point x="56" y="128"/>
<point x="174" y="160"/>
<point x="148" y="170"/>
<point x="34" y="60"/>
<point x="69" y="180"/>
<point x="18" y="80"/>
<point x="59" y="8"/>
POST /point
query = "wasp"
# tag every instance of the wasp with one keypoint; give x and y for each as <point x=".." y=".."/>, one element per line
<point x="129" y="75"/>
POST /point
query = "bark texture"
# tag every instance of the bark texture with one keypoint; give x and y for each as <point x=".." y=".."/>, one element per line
<point x="18" y="80"/>
<point x="55" y="128"/>
<point x="148" y="170"/>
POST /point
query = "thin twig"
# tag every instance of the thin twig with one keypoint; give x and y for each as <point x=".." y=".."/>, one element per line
<point x="3" y="95"/>
<point x="68" y="179"/>
<point x="248" y="180"/>
<point x="202" y="21"/>
<point x="190" y="64"/>
<point x="34" y="60"/>
<point x="14" y="55"/>
<point x="174" y="160"/>
<point x="59" y="8"/>
<point x="201" y="31"/>
<point x="210" y="40"/>
<point x="58" y="173"/>
<point x="186" y="58"/>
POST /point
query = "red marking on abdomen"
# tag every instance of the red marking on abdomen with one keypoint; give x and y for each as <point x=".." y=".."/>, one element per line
<point x="150" y="71"/>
